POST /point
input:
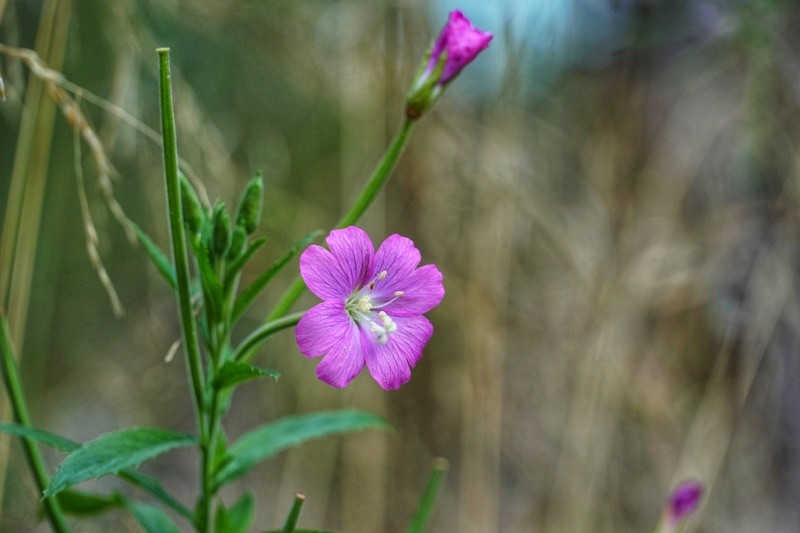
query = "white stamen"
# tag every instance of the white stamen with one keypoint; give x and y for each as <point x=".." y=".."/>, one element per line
<point x="388" y="324"/>
<point x="398" y="294"/>
<point x="380" y="333"/>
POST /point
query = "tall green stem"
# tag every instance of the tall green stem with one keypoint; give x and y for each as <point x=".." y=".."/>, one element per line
<point x="178" y="241"/>
<point x="14" y="388"/>
<point x="371" y="189"/>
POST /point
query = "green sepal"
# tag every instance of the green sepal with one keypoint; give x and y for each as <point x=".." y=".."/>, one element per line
<point x="425" y="89"/>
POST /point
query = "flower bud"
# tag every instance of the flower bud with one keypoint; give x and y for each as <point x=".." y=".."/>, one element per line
<point x="193" y="215"/>
<point x="221" y="233"/>
<point x="248" y="213"/>
<point x="683" y="501"/>
<point x="458" y="44"/>
<point x="238" y="241"/>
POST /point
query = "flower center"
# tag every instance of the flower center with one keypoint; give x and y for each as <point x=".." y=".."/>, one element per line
<point x="364" y="307"/>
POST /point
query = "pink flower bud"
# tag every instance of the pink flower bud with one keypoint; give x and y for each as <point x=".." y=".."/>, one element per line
<point x="683" y="501"/>
<point x="461" y="41"/>
<point x="458" y="44"/>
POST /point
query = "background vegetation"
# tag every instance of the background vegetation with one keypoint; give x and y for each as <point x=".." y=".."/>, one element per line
<point x="612" y="192"/>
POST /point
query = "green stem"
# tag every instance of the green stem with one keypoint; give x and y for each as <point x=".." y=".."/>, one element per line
<point x="178" y="241"/>
<point x="371" y="189"/>
<point x="294" y="514"/>
<point x="14" y="388"/>
<point x="244" y="352"/>
<point x="425" y="507"/>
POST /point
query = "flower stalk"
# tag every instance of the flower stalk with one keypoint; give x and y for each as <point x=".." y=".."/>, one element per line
<point x="368" y="194"/>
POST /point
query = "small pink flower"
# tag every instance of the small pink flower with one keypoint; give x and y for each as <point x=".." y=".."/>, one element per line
<point x="461" y="41"/>
<point x="372" y="307"/>
<point x="683" y="501"/>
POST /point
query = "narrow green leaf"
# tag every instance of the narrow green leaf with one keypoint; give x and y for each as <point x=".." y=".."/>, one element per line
<point x="267" y="440"/>
<point x="45" y="437"/>
<point x="152" y="518"/>
<point x="237" y="264"/>
<point x="233" y="372"/>
<point x="158" y="258"/>
<point x="82" y="503"/>
<point x="249" y="294"/>
<point x="113" y="452"/>
<point x="237" y="519"/>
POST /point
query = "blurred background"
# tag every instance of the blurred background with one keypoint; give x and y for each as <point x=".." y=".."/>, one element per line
<point x="612" y="192"/>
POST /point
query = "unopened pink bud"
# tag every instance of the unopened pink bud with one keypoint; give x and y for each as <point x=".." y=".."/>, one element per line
<point x="458" y="44"/>
<point x="684" y="501"/>
<point x="461" y="41"/>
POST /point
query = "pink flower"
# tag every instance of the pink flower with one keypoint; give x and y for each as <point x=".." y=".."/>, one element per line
<point x="458" y="44"/>
<point x="372" y="307"/>
<point x="461" y="41"/>
<point x="683" y="501"/>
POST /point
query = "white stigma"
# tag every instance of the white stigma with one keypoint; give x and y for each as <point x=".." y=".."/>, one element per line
<point x="364" y="304"/>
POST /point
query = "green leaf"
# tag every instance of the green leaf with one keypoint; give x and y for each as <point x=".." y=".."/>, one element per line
<point x="152" y="518"/>
<point x="154" y="487"/>
<point x="254" y="289"/>
<point x="267" y="440"/>
<point x="237" y="519"/>
<point x="88" y="503"/>
<point x="233" y="372"/>
<point x="144" y="482"/>
<point x="158" y="258"/>
<point x="45" y="437"/>
<point x="113" y="452"/>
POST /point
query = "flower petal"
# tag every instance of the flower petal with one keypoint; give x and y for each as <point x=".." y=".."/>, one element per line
<point x="322" y="274"/>
<point x="398" y="257"/>
<point x="321" y="327"/>
<point x="344" y="360"/>
<point x="390" y="364"/>
<point x="354" y="253"/>
<point x="422" y="291"/>
<point x="463" y="43"/>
